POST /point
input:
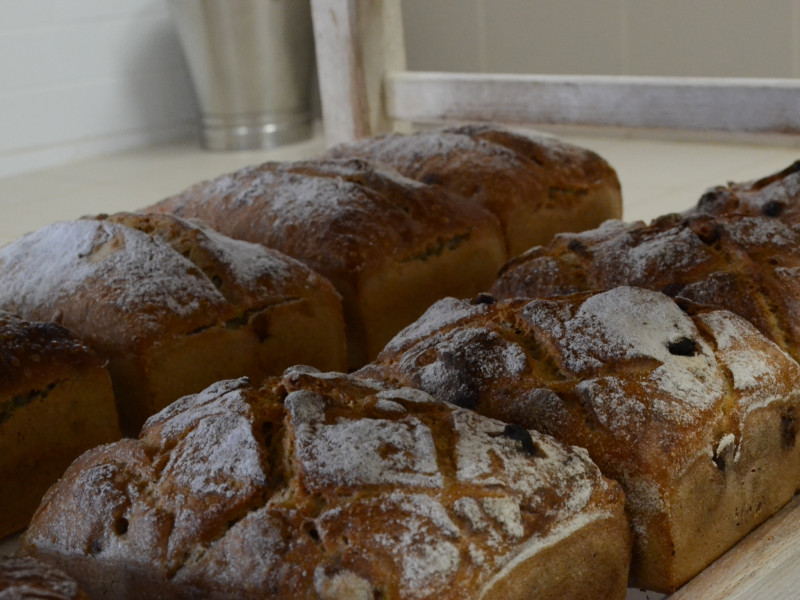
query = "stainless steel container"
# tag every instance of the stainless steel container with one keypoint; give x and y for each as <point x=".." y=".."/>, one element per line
<point x="252" y="64"/>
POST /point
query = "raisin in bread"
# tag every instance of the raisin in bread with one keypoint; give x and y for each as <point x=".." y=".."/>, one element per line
<point x="321" y="485"/>
<point x="691" y="409"/>
<point x="56" y="402"/>
<point x="748" y="265"/>
<point x="173" y="306"/>
<point x="537" y="186"/>
<point x="390" y="245"/>
<point x="776" y="195"/>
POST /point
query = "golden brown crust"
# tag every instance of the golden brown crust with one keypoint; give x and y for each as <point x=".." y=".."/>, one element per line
<point x="328" y="486"/>
<point x="747" y="265"/>
<point x="390" y="245"/>
<point x="665" y="402"/>
<point x="537" y="186"/>
<point x="172" y="305"/>
<point x="776" y="196"/>
<point x="56" y="401"/>
<point x="29" y="579"/>
<point x="32" y="352"/>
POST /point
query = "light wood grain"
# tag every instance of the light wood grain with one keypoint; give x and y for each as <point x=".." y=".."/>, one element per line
<point x="764" y="565"/>
<point x="357" y="42"/>
<point x="366" y="88"/>
<point x="694" y="104"/>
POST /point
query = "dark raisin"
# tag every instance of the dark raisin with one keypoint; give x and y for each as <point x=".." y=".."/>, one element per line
<point x="523" y="436"/>
<point x="683" y="347"/>
<point x="432" y="179"/>
<point x="788" y="430"/>
<point x="719" y="461"/>
<point x="773" y="208"/>
<point x="484" y="298"/>
<point x="312" y="532"/>
<point x="577" y="246"/>
<point x="121" y="526"/>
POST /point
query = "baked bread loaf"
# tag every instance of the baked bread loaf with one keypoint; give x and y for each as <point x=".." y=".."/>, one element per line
<point x="748" y="265"/>
<point x="537" y="186"/>
<point x="691" y="409"/>
<point x="320" y="485"/>
<point x="391" y="246"/>
<point x="56" y="402"/>
<point x="29" y="579"/>
<point x="173" y="306"/>
<point x="776" y="195"/>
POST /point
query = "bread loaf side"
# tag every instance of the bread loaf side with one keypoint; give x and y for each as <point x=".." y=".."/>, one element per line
<point x="691" y="409"/>
<point x="173" y="306"/>
<point x="321" y="485"/>
<point x="390" y="245"/>
<point x="56" y="402"/>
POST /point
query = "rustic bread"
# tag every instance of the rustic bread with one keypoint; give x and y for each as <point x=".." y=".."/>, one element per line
<point x="693" y="411"/>
<point x="56" y="402"/>
<point x="537" y="186"/>
<point x="321" y="485"/>
<point x="748" y="265"/>
<point x="29" y="579"/>
<point x="391" y="246"/>
<point x="776" y="195"/>
<point x="173" y="306"/>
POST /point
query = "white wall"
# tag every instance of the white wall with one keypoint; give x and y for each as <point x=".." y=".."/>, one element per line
<point x="737" y="38"/>
<point x="83" y="77"/>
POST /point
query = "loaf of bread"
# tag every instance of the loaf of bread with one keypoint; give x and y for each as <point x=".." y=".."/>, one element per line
<point x="390" y="245"/>
<point x="29" y="579"/>
<point x="321" y="485"/>
<point x="748" y="265"/>
<point x="56" y="402"/>
<point x="173" y="306"/>
<point x="537" y="186"/>
<point x="776" y="195"/>
<point x="691" y="409"/>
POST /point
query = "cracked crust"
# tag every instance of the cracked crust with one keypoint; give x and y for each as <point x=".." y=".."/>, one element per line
<point x="390" y="245"/>
<point x="172" y="305"/>
<point x="691" y="409"/>
<point x="322" y="485"/>
<point x="536" y="186"/>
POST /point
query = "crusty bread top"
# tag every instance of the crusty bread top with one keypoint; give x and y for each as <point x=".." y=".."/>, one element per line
<point x="321" y="485"/>
<point x="27" y="579"/>
<point x="130" y="279"/>
<point x="502" y="169"/>
<point x="628" y="373"/>
<point x="34" y="354"/>
<point x="338" y="216"/>
<point x="776" y="195"/>
<point x="748" y="265"/>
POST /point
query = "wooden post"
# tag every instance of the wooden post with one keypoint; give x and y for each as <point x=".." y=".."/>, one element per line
<point x="357" y="43"/>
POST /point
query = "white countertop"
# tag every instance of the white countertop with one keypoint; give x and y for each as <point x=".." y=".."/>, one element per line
<point x="658" y="176"/>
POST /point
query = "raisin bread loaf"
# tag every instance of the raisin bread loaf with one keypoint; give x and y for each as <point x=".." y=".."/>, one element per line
<point x="691" y="409"/>
<point x="321" y="485"/>
<point x="56" y="402"/>
<point x="537" y="186"/>
<point x="776" y="195"/>
<point x="29" y="579"/>
<point x="748" y="265"/>
<point x="173" y="306"/>
<point x="390" y="245"/>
